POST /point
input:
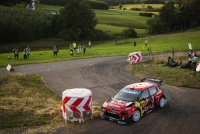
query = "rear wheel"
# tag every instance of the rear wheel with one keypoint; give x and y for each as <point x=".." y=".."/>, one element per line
<point x="162" y="102"/>
<point x="136" y="115"/>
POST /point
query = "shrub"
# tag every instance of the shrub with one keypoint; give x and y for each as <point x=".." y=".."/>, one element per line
<point x="135" y="9"/>
<point x="146" y="14"/>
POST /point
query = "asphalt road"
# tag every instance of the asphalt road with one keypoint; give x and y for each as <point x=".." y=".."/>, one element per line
<point x="104" y="77"/>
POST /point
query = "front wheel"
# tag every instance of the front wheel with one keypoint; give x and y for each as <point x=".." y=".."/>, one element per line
<point x="162" y="102"/>
<point x="102" y="115"/>
<point x="136" y="115"/>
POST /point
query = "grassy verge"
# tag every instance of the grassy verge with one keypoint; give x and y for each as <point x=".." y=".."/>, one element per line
<point x="27" y="102"/>
<point x="181" y="77"/>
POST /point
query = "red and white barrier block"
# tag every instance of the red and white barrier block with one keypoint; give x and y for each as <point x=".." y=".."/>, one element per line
<point x="134" y="57"/>
<point x="76" y="100"/>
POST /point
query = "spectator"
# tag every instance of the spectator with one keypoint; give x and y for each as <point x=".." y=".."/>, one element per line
<point x="25" y="54"/>
<point x="28" y="50"/>
<point x="74" y="46"/>
<point x="194" y="63"/>
<point x="190" y="55"/>
<point x="84" y="48"/>
<point x="146" y="42"/>
<point x="16" y="53"/>
<point x="71" y="49"/>
<point x="89" y="44"/>
<point x="134" y="43"/>
<point x="55" y="50"/>
<point x="169" y="61"/>
<point x="79" y="49"/>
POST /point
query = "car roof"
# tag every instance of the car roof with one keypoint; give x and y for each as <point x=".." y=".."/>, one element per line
<point x="141" y="86"/>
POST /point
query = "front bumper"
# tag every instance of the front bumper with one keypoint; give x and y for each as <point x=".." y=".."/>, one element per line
<point x="112" y="116"/>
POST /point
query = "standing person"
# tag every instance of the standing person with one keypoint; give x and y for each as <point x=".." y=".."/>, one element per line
<point x="134" y="43"/>
<point x="71" y="49"/>
<point x="89" y="44"/>
<point x="28" y="50"/>
<point x="189" y="61"/>
<point x="79" y="49"/>
<point x="84" y="48"/>
<point x="194" y="63"/>
<point x="74" y="46"/>
<point x="146" y="42"/>
<point x="25" y="54"/>
<point x="55" y="50"/>
<point x="16" y="53"/>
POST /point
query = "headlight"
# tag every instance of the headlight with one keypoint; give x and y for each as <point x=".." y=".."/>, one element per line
<point x="105" y="104"/>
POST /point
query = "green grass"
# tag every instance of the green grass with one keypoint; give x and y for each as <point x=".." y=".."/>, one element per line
<point x="121" y="18"/>
<point x="117" y="29"/>
<point x="159" y="43"/>
<point x="129" y="6"/>
<point x="114" y="20"/>
<point x="48" y="7"/>
<point x="179" y="77"/>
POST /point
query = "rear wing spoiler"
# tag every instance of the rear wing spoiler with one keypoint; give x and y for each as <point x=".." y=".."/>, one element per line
<point x="158" y="82"/>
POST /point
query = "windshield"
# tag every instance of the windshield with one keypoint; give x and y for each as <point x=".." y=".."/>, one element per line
<point x="128" y="95"/>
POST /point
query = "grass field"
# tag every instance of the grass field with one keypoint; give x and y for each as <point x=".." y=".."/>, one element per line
<point x="129" y="6"/>
<point x="41" y="50"/>
<point x="116" y="29"/>
<point x="121" y="18"/>
<point x="111" y="20"/>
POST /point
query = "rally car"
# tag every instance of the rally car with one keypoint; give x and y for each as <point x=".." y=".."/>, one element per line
<point x="134" y="101"/>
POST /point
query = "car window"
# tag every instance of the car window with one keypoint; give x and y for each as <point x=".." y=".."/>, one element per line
<point x="152" y="90"/>
<point x="145" y="94"/>
<point x="128" y="95"/>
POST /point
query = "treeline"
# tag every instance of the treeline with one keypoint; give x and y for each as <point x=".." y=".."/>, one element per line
<point x="23" y="25"/>
<point x="76" y="21"/>
<point x="181" y="15"/>
<point x="95" y="4"/>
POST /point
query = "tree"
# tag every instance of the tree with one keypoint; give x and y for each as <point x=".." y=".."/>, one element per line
<point x="76" y="20"/>
<point x="155" y="26"/>
<point x="168" y="14"/>
<point x="120" y="6"/>
<point x="143" y="6"/>
<point x="13" y="2"/>
<point x="149" y="8"/>
<point x="189" y="13"/>
<point x="129" y="33"/>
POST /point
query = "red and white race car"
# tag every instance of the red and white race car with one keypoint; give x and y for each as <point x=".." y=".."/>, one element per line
<point x="134" y="101"/>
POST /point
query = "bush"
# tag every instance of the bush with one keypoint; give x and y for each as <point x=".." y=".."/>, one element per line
<point x="146" y="14"/>
<point x="135" y="9"/>
<point x="129" y="33"/>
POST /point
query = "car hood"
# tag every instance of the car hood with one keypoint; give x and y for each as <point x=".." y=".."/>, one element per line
<point x="118" y="104"/>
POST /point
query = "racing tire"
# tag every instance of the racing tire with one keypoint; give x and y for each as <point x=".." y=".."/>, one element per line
<point x="136" y="115"/>
<point x="102" y="115"/>
<point x="162" y="102"/>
